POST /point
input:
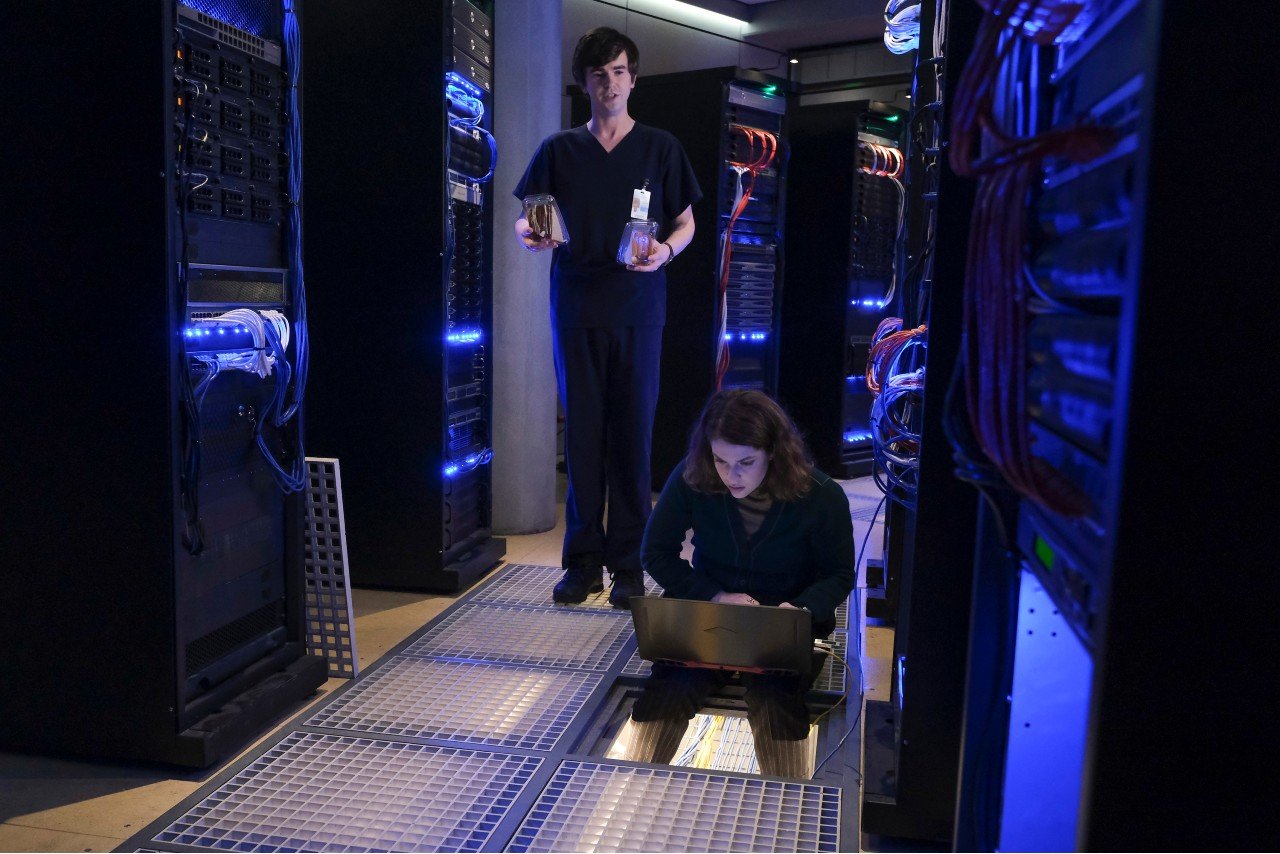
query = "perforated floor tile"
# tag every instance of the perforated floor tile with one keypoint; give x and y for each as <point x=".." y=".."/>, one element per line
<point x="462" y="701"/>
<point x="531" y="584"/>
<point x="580" y="639"/>
<point x="330" y="793"/>
<point x="834" y="675"/>
<point x="637" y="666"/>
<point x="330" y="622"/>
<point x="593" y="806"/>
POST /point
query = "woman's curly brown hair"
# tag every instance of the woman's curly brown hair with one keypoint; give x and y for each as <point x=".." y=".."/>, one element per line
<point x="751" y="418"/>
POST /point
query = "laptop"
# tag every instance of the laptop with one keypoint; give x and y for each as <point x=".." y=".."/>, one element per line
<point x="751" y="638"/>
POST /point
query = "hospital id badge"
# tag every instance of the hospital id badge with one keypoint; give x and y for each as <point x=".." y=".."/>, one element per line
<point x="640" y="203"/>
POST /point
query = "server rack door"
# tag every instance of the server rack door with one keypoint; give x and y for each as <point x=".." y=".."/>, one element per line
<point x="400" y="258"/>
<point x="117" y="590"/>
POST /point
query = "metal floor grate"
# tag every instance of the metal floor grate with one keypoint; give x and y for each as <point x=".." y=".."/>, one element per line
<point x="330" y="623"/>
<point x="834" y="676"/>
<point x="593" y="806"/>
<point x="490" y="704"/>
<point x="514" y="634"/>
<point x="530" y="584"/>
<point x="327" y="793"/>
<point x="637" y="666"/>
<point x="842" y="613"/>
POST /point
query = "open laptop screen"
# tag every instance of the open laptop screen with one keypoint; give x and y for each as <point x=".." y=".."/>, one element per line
<point x="754" y="638"/>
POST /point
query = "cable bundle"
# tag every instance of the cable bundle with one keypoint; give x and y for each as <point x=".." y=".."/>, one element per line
<point x="762" y="148"/>
<point x="902" y="26"/>
<point x="1045" y="21"/>
<point x="997" y="302"/>
<point x="467" y="112"/>
<point x="886" y="161"/>
<point x="898" y="396"/>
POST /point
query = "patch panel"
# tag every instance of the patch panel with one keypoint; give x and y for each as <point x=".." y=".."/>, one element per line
<point x="1081" y="411"/>
<point x="461" y="392"/>
<point x="263" y="166"/>
<point x="231" y="80"/>
<point x="233" y="161"/>
<point x="263" y="209"/>
<point x="1084" y="265"/>
<point x="199" y="64"/>
<point x="264" y="85"/>
<point x="1082" y="346"/>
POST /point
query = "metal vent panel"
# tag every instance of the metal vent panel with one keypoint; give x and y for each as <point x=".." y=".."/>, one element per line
<point x="637" y="666"/>
<point x="530" y="584"/>
<point x="593" y="806"/>
<point x="514" y="634"/>
<point x="504" y="706"/>
<point x="834" y="676"/>
<point x="842" y="614"/>
<point x="330" y="621"/>
<point x="327" y="793"/>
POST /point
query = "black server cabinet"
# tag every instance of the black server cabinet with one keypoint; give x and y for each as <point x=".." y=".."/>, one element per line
<point x="1130" y="248"/>
<point x="911" y="793"/>
<point x="153" y="563"/>
<point x="722" y="114"/>
<point x="399" y="256"/>
<point x="847" y="201"/>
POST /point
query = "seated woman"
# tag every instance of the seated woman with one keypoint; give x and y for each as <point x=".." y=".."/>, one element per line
<point x="768" y="529"/>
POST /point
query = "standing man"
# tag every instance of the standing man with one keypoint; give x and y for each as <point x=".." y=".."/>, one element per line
<point x="607" y="318"/>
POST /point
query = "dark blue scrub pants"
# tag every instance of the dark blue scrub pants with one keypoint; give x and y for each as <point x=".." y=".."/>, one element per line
<point x="608" y="378"/>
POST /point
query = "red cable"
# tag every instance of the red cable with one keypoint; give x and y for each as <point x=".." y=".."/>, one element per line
<point x="768" y="147"/>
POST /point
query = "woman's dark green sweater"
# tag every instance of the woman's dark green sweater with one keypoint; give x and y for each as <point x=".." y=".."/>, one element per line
<point x="802" y="554"/>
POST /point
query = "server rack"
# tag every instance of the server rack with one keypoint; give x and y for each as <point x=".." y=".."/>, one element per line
<point x="723" y="312"/>
<point x="401" y="155"/>
<point x="930" y="521"/>
<point x="153" y="519"/>
<point x="846" y="177"/>
<point x="1088" y="575"/>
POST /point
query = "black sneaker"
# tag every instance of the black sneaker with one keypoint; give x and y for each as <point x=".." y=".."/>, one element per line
<point x="626" y="583"/>
<point x="578" y="583"/>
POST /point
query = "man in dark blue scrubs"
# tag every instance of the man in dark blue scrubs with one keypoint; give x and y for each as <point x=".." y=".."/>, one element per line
<point x="607" y="317"/>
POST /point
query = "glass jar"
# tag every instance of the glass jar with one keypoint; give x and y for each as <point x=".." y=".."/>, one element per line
<point x="639" y="238"/>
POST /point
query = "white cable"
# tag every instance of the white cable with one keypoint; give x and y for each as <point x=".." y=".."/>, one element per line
<point x="902" y="26"/>
<point x="257" y="360"/>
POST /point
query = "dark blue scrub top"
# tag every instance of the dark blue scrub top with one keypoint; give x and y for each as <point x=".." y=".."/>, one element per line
<point x="593" y="189"/>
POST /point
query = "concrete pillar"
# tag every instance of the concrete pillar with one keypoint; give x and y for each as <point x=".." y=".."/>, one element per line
<point x="526" y="110"/>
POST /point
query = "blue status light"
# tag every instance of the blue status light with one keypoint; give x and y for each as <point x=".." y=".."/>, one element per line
<point x="194" y="332"/>
<point x="464" y="336"/>
<point x="746" y="336"/>
<point x="868" y="302"/>
<point x="854" y="438"/>
<point x="468" y="463"/>
<point x="464" y="84"/>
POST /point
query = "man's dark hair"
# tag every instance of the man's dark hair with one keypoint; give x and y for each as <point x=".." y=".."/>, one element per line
<point x="600" y="47"/>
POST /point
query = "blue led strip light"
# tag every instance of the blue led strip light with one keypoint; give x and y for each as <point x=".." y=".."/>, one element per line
<point x="468" y="463"/>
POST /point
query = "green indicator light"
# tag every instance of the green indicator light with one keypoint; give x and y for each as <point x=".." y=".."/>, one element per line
<point x="769" y="90"/>
<point x="892" y="118"/>
<point x="1045" y="552"/>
